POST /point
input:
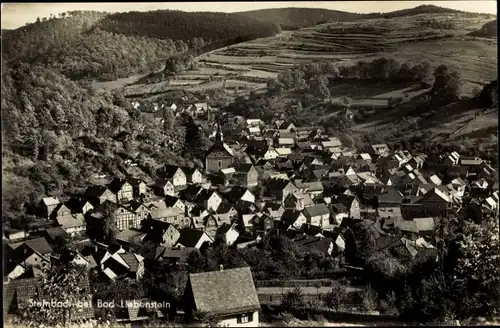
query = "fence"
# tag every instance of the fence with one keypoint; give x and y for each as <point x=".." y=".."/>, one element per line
<point x="294" y="283"/>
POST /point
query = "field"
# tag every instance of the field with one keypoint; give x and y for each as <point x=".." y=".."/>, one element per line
<point x="245" y="67"/>
<point x="248" y="65"/>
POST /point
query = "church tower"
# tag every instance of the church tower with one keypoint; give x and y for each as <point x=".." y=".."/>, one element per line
<point x="218" y="134"/>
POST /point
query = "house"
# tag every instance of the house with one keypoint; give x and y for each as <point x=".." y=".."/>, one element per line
<point x="331" y="143"/>
<point x="193" y="175"/>
<point x="283" y="151"/>
<point x="320" y="244"/>
<point x="163" y="187"/>
<point x="131" y="237"/>
<point x="160" y="232"/>
<point x="274" y="210"/>
<point x="279" y="189"/>
<point x="72" y="224"/>
<point x="352" y="204"/>
<point x="124" y="218"/>
<point x="122" y="189"/>
<point x="48" y="205"/>
<point x="228" y="233"/>
<point x="297" y="201"/>
<point x="390" y="198"/>
<point x="210" y="199"/>
<point x="16" y="235"/>
<point x="220" y="155"/>
<point x="238" y="194"/>
<point x="192" y="238"/>
<point x="61" y="210"/>
<point x="18" y="293"/>
<point x="30" y="254"/>
<point x="339" y="213"/>
<point x="118" y="263"/>
<point x="380" y="149"/>
<point x="173" y="173"/>
<point x="172" y="215"/>
<point x="318" y="215"/>
<point x="176" y="202"/>
<point x="139" y="187"/>
<point x="227" y="296"/>
<point x="435" y="203"/>
<point x="99" y="194"/>
<point x="226" y="212"/>
<point x="263" y="223"/>
<point x="247" y="175"/>
<point x="294" y="218"/>
<point x="314" y="189"/>
<point x="79" y="205"/>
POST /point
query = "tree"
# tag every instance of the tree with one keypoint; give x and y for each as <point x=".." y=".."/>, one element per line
<point x="63" y="285"/>
<point x="360" y="244"/>
<point x="292" y="300"/>
<point x="338" y="295"/>
<point x="474" y="269"/>
<point x="489" y="95"/>
<point x="447" y="86"/>
<point x="369" y="298"/>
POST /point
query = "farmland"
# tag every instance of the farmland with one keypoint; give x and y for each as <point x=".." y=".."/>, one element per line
<point x="243" y="67"/>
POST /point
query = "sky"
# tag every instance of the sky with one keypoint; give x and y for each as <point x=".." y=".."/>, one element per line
<point x="15" y="15"/>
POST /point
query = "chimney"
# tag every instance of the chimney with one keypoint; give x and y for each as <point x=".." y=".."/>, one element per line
<point x="221" y="267"/>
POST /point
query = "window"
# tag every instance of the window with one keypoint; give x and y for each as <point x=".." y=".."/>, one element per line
<point x="219" y="162"/>
<point x="245" y="318"/>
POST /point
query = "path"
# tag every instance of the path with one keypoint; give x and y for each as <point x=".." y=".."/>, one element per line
<point x="305" y="290"/>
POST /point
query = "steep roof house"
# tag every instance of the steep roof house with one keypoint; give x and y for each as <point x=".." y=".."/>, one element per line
<point x="192" y="238"/>
<point x="227" y="296"/>
<point x="318" y="215"/>
<point x="122" y="189"/>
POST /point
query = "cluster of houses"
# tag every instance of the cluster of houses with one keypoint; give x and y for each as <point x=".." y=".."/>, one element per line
<point x="277" y="179"/>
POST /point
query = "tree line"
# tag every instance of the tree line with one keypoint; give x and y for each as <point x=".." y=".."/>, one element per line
<point x="95" y="45"/>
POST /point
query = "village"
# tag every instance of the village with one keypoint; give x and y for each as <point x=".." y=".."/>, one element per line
<point x="273" y="179"/>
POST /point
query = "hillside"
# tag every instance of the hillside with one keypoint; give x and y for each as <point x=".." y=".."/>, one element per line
<point x="294" y="18"/>
<point x="95" y="45"/>
<point x="489" y="30"/>
<point x="57" y="136"/>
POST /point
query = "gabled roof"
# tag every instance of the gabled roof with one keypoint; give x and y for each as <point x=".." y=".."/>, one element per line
<point x="225" y="292"/>
<point x="95" y="191"/>
<point x="116" y="185"/>
<point x="243" y="168"/>
<point x="316" y="210"/>
<point x="168" y="171"/>
<point x="39" y="245"/>
<point x="189" y="237"/>
<point x="425" y="224"/>
<point x="170" y="201"/>
<point x="71" y="221"/>
<point x="290" y="216"/>
<point x="48" y="201"/>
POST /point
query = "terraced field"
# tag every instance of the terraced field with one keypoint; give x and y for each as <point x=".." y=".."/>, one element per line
<point x="250" y="64"/>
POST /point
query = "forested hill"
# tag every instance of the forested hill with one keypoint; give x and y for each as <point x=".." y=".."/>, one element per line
<point x="294" y="18"/>
<point x="103" y="46"/>
<point x="179" y="25"/>
<point x="489" y="30"/>
<point x="57" y="135"/>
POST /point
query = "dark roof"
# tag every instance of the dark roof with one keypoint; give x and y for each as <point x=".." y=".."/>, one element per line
<point x="225" y="292"/>
<point x="75" y="204"/>
<point x="339" y="208"/>
<point x="54" y="232"/>
<point x="243" y="168"/>
<point x="189" y="237"/>
<point x="116" y="185"/>
<point x="151" y="251"/>
<point x="317" y="209"/>
<point x="224" y="208"/>
<point x="391" y="196"/>
<point x="131" y="260"/>
<point x="168" y="171"/>
<point x="310" y="229"/>
<point x="95" y="191"/>
<point x="319" y="243"/>
<point x="290" y="216"/>
<point x="39" y="245"/>
<point x="171" y="200"/>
